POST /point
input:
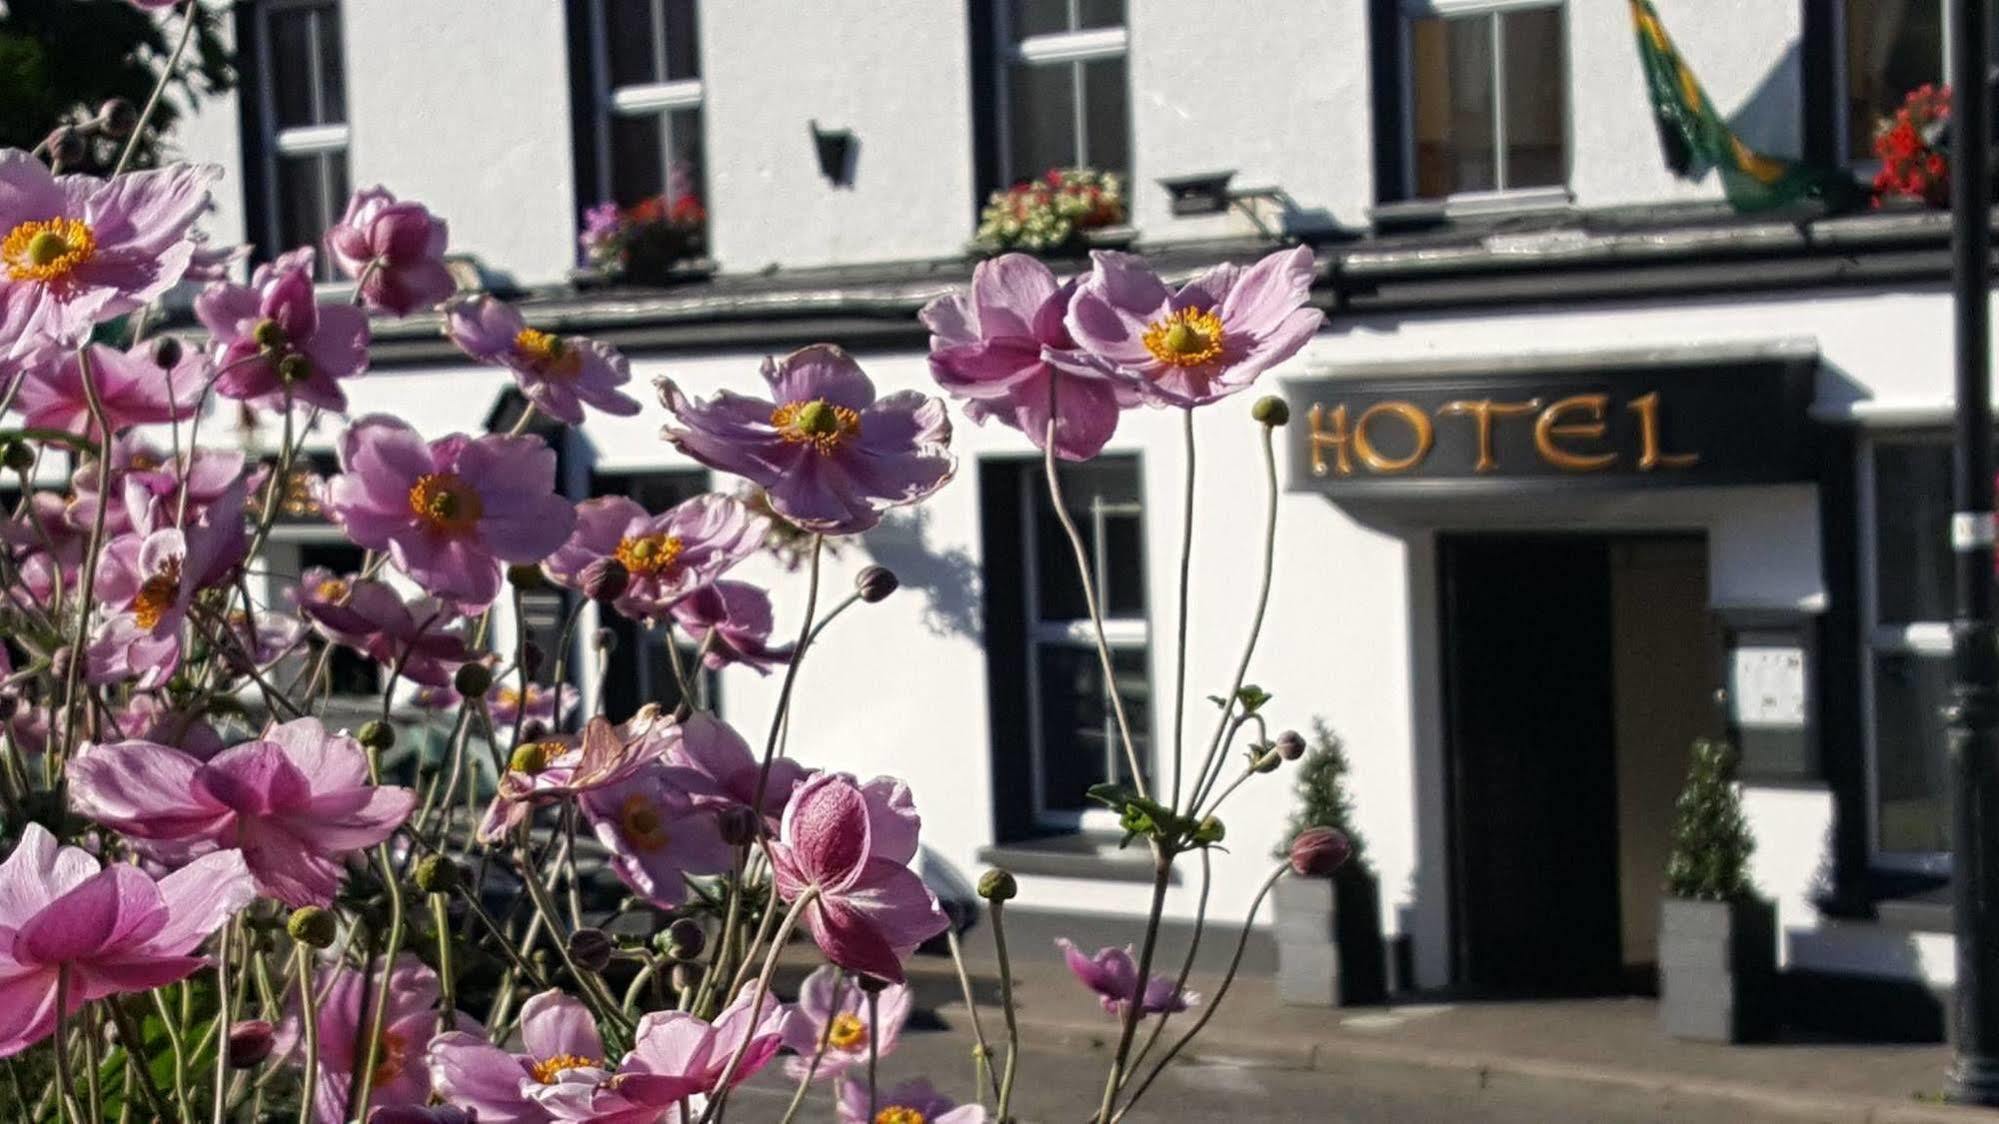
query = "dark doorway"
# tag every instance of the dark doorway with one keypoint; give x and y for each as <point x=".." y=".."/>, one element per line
<point x="1531" y="744"/>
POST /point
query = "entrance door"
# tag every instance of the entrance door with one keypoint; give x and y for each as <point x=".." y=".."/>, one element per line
<point x="1529" y="691"/>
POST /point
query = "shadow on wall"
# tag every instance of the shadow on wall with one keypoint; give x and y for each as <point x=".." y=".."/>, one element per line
<point x="1767" y="119"/>
<point x="946" y="579"/>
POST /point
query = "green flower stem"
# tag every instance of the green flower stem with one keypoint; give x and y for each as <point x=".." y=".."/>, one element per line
<point x="1186" y="966"/>
<point x="1180" y="633"/>
<point x="986" y="1074"/>
<point x="371" y="1053"/>
<point x="1162" y="866"/>
<point x="309" y="1023"/>
<point x="178" y="1047"/>
<point x="133" y="1039"/>
<point x="719" y="1095"/>
<point x="65" y="1080"/>
<point x="1005" y="1095"/>
<point x="187" y="21"/>
<point x="1212" y="763"/>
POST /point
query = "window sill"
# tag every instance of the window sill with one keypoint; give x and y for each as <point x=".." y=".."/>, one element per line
<point x="1416" y="214"/>
<point x="1088" y="855"/>
<point x="691" y="269"/>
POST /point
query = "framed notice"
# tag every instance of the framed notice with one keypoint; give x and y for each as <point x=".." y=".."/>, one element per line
<point x="1769" y="692"/>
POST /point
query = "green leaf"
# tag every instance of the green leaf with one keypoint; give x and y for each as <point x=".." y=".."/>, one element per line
<point x="1252" y="698"/>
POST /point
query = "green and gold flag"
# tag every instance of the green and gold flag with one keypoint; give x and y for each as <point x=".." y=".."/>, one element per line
<point x="1695" y="138"/>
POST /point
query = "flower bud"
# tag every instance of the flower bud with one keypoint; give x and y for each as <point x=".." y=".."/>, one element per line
<point x="875" y="583"/>
<point x="118" y="118"/>
<point x="437" y="874"/>
<point x="998" y="885"/>
<point x="377" y="735"/>
<point x="605" y="579"/>
<point x="167" y="353"/>
<point x="531" y="757"/>
<point x="1210" y="831"/>
<point x="313" y="927"/>
<point x="269" y="334"/>
<point x="473" y="680"/>
<point x="526" y="576"/>
<point x="17" y="456"/>
<point x="294" y="369"/>
<point x="250" y="1042"/>
<point x="591" y="949"/>
<point x="1265" y="758"/>
<point x="1271" y="410"/>
<point x="684" y="939"/>
<point x="1290" y="745"/>
<point x="65" y="147"/>
<point x="1317" y="852"/>
<point x="738" y="825"/>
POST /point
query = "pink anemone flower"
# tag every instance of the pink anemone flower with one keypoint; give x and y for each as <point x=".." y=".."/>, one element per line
<point x="666" y="555"/>
<point x="131" y="387"/>
<point x="912" y="1102"/>
<point x="156" y="579"/>
<point x="656" y="834"/>
<point x="347" y="996"/>
<point x="111" y="929"/>
<point x="851" y="845"/>
<point x="394" y="249"/>
<point x="833" y="1010"/>
<point x="1208" y="339"/>
<point x="277" y="343"/>
<point x="1113" y="975"/>
<point x="675" y="1058"/>
<point x="714" y="765"/>
<point x="450" y="512"/>
<point x="296" y="802"/>
<point x="557" y="1034"/>
<point x="1002" y="347"/>
<point x="559" y="375"/>
<point x="417" y="636"/>
<point x="562" y="767"/>
<point x="540" y="704"/>
<point x="77" y="250"/>
<point x="831" y="456"/>
<point x="739" y="617"/>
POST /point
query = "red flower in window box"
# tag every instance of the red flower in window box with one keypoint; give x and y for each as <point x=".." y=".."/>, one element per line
<point x="1913" y="163"/>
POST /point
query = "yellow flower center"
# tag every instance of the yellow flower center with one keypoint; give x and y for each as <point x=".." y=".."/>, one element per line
<point x="389" y="1058"/>
<point x="143" y="462"/>
<point x="547" y="1069"/>
<point x="547" y="352"/>
<point x="331" y="589"/>
<point x="446" y="502"/>
<point x="817" y="423"/>
<point x="642" y="823"/>
<point x="848" y="1033"/>
<point x="1186" y="338"/>
<point x="47" y="251"/>
<point x="533" y="757"/>
<point x="899" y="1114"/>
<point x="157" y="595"/>
<point x="647" y="555"/>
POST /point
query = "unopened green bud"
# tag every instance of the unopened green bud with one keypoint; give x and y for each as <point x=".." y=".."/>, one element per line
<point x="313" y="926"/>
<point x="269" y="334"/>
<point x="294" y="369"/>
<point x="1210" y="831"/>
<point x="473" y="680"/>
<point x="998" y="885"/>
<point x="17" y="456"/>
<point x="1271" y="410"/>
<point x="437" y="875"/>
<point x="684" y="939"/>
<point x="377" y="735"/>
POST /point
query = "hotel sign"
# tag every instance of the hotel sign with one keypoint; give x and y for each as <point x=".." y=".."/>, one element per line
<point x="1631" y="426"/>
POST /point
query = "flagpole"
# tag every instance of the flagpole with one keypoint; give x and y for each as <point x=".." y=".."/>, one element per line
<point x="1973" y="716"/>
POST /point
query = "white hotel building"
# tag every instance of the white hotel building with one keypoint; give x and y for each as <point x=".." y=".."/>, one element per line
<point x="1517" y="649"/>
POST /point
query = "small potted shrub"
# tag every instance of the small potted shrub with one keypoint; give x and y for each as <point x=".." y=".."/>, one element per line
<point x="1717" y="939"/>
<point x="1329" y="948"/>
<point x="1065" y="212"/>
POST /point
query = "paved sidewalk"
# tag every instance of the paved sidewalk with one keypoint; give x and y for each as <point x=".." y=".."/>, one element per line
<point x="1605" y="1043"/>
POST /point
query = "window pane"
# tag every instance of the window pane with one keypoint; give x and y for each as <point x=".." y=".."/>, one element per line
<point x="311" y="188"/>
<point x="1099" y="13"/>
<point x="332" y="69"/>
<point x="1452" y="81"/>
<point x="638" y="159"/>
<point x="1079" y="742"/>
<point x="291" y="67"/>
<point x="684" y="172"/>
<point x="1101" y="493"/>
<point x="1106" y="93"/>
<point x="629" y="37"/>
<point x="1536" y="111"/>
<point x="1039" y="17"/>
<point x="1892" y="47"/>
<point x="683" y="41"/>
<point x="1911" y="767"/>
<point x="1041" y="118"/>
<point x="1914" y="578"/>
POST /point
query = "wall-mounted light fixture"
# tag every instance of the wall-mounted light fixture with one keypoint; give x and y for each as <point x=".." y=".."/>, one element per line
<point x="1204" y="194"/>
<point x="836" y="148"/>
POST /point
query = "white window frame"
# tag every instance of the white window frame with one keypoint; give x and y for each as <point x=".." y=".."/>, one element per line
<point x="1502" y="198"/>
<point x="297" y="140"/>
<point x="1923" y="639"/>
<point x="1055" y="48"/>
<point x="646" y="99"/>
<point x="1121" y="634"/>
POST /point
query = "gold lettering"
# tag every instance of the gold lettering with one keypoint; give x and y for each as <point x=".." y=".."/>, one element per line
<point x="1482" y="412"/>
<point x="1550" y="426"/>
<point x="1649" y="456"/>
<point x="1337" y="439"/>
<point x="1419" y="427"/>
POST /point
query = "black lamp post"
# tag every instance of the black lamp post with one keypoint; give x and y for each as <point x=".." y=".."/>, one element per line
<point x="1974" y="712"/>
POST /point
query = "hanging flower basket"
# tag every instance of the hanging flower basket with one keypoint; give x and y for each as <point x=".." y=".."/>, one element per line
<point x="1066" y="212"/>
<point x="654" y="242"/>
